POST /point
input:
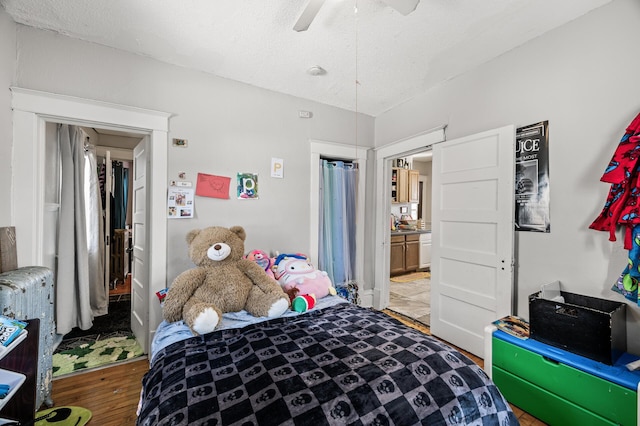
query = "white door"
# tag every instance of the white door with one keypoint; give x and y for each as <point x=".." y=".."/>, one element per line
<point x="139" y="276"/>
<point x="107" y="217"/>
<point x="472" y="236"/>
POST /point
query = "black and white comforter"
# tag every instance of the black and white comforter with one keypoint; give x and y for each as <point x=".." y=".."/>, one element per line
<point x="339" y="365"/>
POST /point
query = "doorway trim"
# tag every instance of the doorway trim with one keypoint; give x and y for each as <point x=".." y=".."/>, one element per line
<point x="384" y="155"/>
<point x="31" y="111"/>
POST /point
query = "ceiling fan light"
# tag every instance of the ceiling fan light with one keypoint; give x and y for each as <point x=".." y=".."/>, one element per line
<point x="316" y="70"/>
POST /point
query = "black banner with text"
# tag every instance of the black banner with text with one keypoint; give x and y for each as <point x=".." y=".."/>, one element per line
<point x="532" y="178"/>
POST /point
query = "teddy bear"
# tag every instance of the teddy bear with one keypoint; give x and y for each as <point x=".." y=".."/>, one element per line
<point x="222" y="281"/>
<point x="298" y="277"/>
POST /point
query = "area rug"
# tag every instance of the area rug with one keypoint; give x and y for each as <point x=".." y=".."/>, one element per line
<point x="118" y="319"/>
<point x="96" y="354"/>
<point x="63" y="416"/>
<point x="414" y="276"/>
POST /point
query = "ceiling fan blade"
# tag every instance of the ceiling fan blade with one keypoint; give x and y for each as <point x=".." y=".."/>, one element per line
<point x="309" y="12"/>
<point x="403" y="6"/>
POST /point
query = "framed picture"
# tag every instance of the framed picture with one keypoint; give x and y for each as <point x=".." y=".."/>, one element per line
<point x="400" y="163"/>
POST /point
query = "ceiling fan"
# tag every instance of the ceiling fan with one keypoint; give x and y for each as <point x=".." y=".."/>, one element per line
<point x="405" y="7"/>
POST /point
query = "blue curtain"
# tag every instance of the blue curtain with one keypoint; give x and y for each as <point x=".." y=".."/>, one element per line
<point x="337" y="251"/>
<point x="120" y="196"/>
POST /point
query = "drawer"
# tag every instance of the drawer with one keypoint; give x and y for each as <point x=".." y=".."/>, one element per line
<point x="412" y="237"/>
<point x="607" y="399"/>
<point x="397" y="238"/>
<point x="545" y="405"/>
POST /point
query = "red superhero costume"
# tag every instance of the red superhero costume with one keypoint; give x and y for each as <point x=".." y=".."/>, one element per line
<point x="623" y="173"/>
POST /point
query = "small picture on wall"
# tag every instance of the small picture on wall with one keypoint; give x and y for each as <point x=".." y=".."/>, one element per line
<point x="247" y="186"/>
<point x="400" y="163"/>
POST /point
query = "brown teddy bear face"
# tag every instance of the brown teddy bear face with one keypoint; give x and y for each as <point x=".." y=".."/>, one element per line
<point x="210" y="246"/>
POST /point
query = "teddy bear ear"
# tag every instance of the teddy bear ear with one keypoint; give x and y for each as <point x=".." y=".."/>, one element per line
<point x="239" y="231"/>
<point x="192" y="235"/>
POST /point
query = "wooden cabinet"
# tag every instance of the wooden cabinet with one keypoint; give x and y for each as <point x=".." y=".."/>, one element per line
<point x="411" y="252"/>
<point x="405" y="253"/>
<point x="399" y="185"/>
<point x="120" y="254"/>
<point x="414" y="186"/>
<point x="404" y="186"/>
<point x="397" y="255"/>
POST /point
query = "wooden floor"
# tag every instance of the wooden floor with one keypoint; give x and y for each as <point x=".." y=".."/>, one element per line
<point x="112" y="393"/>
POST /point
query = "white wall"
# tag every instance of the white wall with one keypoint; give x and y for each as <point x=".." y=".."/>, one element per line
<point x="7" y="71"/>
<point x="583" y="78"/>
<point x="231" y="127"/>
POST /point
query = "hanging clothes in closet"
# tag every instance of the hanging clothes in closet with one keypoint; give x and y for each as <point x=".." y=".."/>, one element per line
<point x="119" y="196"/>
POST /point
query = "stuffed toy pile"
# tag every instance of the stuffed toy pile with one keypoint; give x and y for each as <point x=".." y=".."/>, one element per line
<point x="223" y="281"/>
<point x="301" y="281"/>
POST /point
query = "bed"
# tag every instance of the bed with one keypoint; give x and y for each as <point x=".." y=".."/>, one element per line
<point x="336" y="364"/>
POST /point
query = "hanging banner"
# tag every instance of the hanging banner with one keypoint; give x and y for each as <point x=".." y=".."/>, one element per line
<point x="532" y="178"/>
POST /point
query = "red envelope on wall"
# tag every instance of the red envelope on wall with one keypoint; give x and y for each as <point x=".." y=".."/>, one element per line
<point x="212" y="186"/>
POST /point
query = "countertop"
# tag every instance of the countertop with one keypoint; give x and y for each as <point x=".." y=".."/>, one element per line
<point x="406" y="231"/>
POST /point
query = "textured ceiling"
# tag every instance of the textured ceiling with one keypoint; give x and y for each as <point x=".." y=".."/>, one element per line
<point x="392" y="57"/>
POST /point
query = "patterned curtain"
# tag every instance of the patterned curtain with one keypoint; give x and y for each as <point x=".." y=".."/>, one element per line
<point x="338" y="221"/>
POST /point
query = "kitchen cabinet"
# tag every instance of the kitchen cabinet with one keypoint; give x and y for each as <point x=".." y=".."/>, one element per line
<point x="414" y="186"/>
<point x="405" y="253"/>
<point x="425" y="250"/>
<point x="405" y="187"/>
<point x="397" y="255"/>
<point x="399" y="185"/>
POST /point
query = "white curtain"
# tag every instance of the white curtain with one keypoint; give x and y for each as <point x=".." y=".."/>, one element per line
<point x="81" y="291"/>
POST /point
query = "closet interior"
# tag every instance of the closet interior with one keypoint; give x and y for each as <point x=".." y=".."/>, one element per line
<point x="114" y="152"/>
<point x="108" y="159"/>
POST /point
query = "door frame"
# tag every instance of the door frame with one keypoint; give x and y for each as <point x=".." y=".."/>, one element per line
<point x="384" y="155"/>
<point x="31" y="111"/>
<point x="334" y="150"/>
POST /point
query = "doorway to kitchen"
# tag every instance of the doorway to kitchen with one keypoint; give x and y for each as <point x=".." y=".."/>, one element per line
<point x="410" y="240"/>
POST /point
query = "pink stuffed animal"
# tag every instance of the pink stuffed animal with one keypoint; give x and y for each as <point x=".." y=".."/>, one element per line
<point x="295" y="271"/>
<point x="262" y="259"/>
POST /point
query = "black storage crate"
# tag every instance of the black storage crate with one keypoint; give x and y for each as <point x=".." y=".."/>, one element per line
<point x="588" y="326"/>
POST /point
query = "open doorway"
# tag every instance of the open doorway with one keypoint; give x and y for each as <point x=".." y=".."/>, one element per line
<point x="31" y="111"/>
<point x="112" y="157"/>
<point x="410" y="239"/>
